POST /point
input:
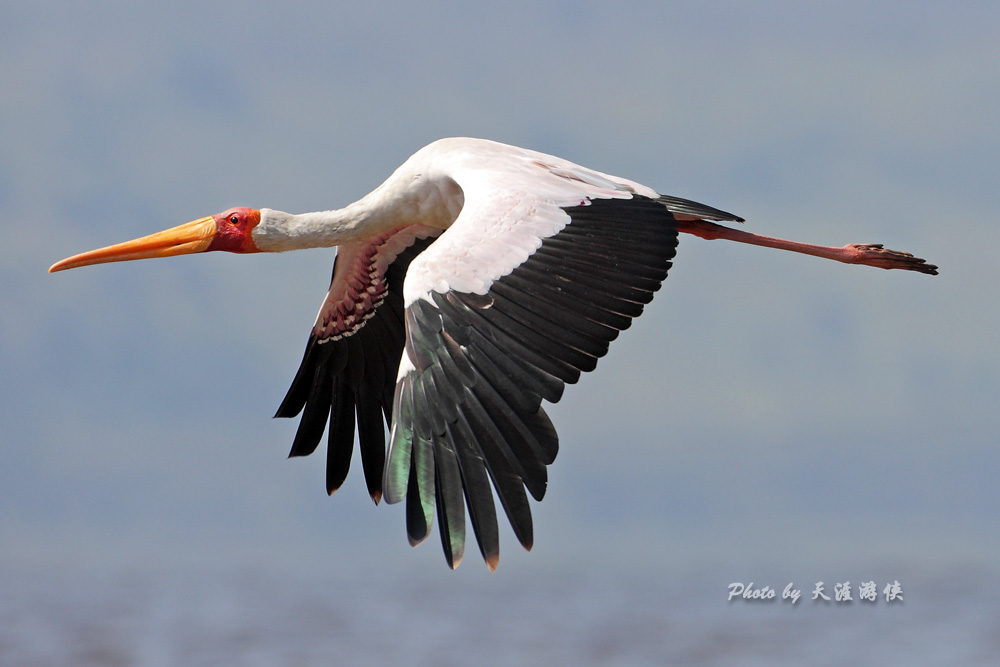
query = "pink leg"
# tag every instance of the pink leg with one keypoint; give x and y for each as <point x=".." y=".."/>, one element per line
<point x="868" y="254"/>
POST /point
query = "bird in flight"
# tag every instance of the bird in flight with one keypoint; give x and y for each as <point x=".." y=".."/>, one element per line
<point x="475" y="282"/>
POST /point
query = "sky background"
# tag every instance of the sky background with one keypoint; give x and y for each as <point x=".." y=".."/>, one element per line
<point x="769" y="411"/>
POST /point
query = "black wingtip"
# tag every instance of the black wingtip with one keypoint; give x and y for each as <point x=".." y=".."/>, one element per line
<point x="286" y="410"/>
<point x="297" y="394"/>
<point x="492" y="561"/>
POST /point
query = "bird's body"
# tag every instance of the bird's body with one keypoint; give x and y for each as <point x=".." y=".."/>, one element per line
<point x="471" y="285"/>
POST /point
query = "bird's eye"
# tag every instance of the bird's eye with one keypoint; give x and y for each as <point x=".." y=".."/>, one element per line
<point x="234" y="219"/>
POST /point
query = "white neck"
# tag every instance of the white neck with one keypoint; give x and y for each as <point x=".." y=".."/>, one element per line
<point x="279" y="231"/>
<point x="408" y="197"/>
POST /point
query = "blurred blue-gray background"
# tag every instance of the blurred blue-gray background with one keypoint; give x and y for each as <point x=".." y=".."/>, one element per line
<point x="771" y="418"/>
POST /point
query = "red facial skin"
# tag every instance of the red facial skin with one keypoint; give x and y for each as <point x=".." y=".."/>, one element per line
<point x="234" y="230"/>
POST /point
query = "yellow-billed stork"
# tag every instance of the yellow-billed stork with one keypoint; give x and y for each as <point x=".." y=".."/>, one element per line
<point x="475" y="282"/>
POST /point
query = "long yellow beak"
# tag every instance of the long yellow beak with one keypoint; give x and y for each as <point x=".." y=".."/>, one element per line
<point x="190" y="237"/>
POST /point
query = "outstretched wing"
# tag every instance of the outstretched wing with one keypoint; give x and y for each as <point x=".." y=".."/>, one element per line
<point x="350" y="364"/>
<point x="524" y="292"/>
<point x="544" y="265"/>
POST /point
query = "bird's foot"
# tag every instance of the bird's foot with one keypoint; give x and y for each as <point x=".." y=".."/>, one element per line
<point x="873" y="254"/>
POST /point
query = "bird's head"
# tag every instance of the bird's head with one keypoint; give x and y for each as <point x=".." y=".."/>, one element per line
<point x="231" y="231"/>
